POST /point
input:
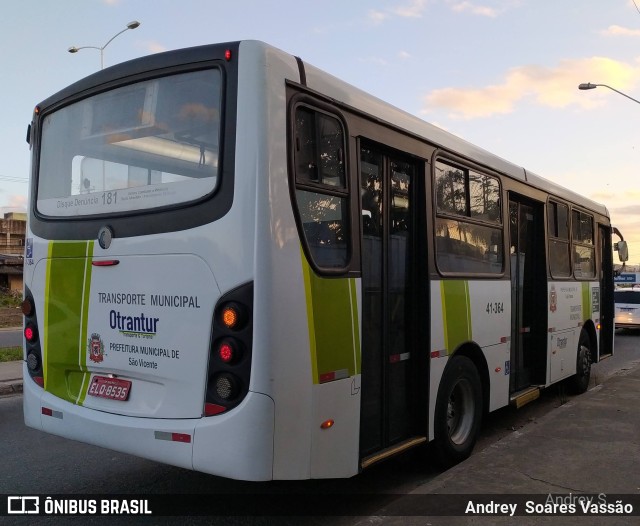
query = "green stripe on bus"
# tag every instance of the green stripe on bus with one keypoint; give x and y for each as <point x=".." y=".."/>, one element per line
<point x="45" y="339"/>
<point x="355" y="321"/>
<point x="65" y="329"/>
<point x="83" y="342"/>
<point x="456" y="313"/>
<point x="333" y="323"/>
<point x="586" y="301"/>
<point x="310" y="323"/>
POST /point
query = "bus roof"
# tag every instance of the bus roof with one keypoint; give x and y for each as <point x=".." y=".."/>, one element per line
<point x="341" y="92"/>
<point x="349" y="95"/>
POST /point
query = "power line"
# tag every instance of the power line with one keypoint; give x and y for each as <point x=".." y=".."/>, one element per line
<point x="13" y="179"/>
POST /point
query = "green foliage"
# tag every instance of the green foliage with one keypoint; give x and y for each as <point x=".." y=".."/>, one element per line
<point x="9" y="298"/>
<point x="10" y="354"/>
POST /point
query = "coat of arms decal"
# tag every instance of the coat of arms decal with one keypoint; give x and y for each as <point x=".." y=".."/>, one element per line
<point x="96" y="348"/>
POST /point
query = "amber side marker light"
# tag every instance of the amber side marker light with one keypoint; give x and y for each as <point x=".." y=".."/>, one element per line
<point x="327" y="424"/>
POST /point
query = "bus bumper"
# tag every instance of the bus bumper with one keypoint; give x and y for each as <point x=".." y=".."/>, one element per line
<point x="237" y="445"/>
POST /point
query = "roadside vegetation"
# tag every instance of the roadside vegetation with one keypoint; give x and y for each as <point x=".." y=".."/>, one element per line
<point x="10" y="354"/>
<point x="10" y="313"/>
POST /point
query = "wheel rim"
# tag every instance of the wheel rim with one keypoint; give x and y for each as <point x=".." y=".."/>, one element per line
<point x="585" y="361"/>
<point x="460" y="411"/>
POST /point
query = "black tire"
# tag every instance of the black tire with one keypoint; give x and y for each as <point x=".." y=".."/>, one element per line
<point x="579" y="382"/>
<point x="458" y="412"/>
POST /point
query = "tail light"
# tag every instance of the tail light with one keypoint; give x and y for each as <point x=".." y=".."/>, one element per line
<point x="233" y="316"/>
<point x="229" y="350"/>
<point x="30" y="332"/>
<point x="227" y="386"/>
<point x="230" y="360"/>
<point x="32" y="346"/>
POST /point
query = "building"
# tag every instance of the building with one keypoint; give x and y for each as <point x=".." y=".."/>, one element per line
<point x="12" y="234"/>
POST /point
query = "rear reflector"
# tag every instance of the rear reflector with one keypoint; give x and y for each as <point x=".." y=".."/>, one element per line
<point x="172" y="437"/>
<point x="39" y="380"/>
<point x="213" y="409"/>
<point x="50" y="412"/>
<point x="333" y="375"/>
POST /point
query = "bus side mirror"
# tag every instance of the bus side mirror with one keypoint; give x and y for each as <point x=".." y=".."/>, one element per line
<point x="623" y="250"/>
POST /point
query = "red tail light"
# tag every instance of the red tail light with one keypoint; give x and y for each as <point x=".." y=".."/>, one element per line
<point x="30" y="333"/>
<point x="229" y="351"/>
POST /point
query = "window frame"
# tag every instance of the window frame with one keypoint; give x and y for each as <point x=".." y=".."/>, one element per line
<point x="83" y="104"/>
<point x="497" y="225"/>
<point x="301" y="100"/>
<point x="567" y="242"/>
<point x="591" y="246"/>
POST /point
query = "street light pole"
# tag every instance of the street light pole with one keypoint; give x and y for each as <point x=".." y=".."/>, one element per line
<point x="588" y="85"/>
<point x="130" y="25"/>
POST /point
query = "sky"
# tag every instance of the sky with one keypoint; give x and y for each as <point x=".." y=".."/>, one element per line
<point x="502" y="74"/>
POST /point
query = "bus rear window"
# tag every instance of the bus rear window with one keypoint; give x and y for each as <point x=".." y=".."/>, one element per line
<point x="142" y="146"/>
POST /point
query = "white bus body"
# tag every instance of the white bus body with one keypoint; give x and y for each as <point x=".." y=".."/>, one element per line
<point x="133" y="255"/>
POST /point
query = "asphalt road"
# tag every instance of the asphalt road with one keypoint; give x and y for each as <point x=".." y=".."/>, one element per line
<point x="37" y="463"/>
<point x="10" y="338"/>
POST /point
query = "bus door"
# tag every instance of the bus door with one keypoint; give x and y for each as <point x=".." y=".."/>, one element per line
<point x="388" y="182"/>
<point x="607" y="310"/>
<point x="528" y="294"/>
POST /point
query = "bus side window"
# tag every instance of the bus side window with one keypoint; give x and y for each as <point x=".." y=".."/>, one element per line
<point x="558" y="234"/>
<point x="583" y="246"/>
<point x="468" y="225"/>
<point x="321" y="187"/>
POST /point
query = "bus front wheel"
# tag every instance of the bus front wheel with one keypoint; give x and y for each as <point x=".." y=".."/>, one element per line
<point x="458" y="412"/>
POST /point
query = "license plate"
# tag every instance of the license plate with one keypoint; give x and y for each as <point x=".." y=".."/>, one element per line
<point x="111" y="388"/>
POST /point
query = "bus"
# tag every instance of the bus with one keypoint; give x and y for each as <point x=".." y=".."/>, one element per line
<point x="239" y="264"/>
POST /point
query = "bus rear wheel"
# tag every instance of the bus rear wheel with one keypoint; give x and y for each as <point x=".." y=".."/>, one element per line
<point x="458" y="412"/>
<point x="579" y="382"/>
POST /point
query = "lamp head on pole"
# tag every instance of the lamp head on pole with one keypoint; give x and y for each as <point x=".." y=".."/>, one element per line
<point x="72" y="49"/>
<point x="587" y="85"/>
<point x="133" y="25"/>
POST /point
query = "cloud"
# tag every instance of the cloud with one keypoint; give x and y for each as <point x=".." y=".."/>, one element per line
<point x="627" y="210"/>
<point x="377" y="17"/>
<point x="555" y="87"/>
<point x="15" y="203"/>
<point x="616" y="31"/>
<point x="413" y="9"/>
<point x="416" y="8"/>
<point x="468" y="7"/>
<point x="153" y="46"/>
<point x="378" y="61"/>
